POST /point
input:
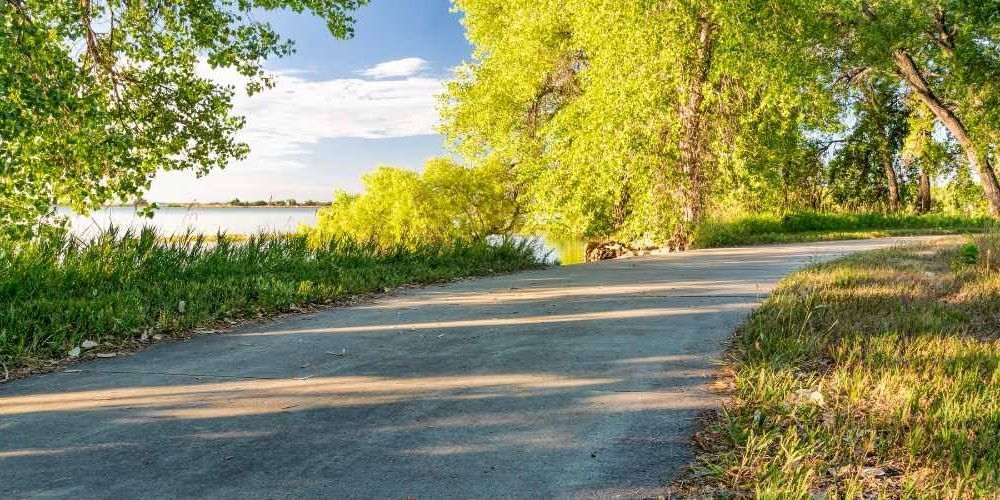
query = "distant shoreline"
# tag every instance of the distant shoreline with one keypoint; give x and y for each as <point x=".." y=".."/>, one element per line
<point x="214" y="205"/>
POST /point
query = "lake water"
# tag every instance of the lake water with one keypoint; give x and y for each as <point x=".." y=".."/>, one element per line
<point x="202" y="220"/>
<point x="244" y="220"/>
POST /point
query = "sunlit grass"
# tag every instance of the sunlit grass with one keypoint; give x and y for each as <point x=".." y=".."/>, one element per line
<point x="901" y="346"/>
<point x="56" y="293"/>
<point x="810" y="226"/>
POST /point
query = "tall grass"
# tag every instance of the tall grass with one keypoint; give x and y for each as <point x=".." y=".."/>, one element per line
<point x="874" y="376"/>
<point x="57" y="292"/>
<point x="811" y="226"/>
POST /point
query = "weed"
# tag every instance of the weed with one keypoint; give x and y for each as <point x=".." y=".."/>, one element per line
<point x="55" y="293"/>
<point x="898" y="353"/>
<point x="967" y="255"/>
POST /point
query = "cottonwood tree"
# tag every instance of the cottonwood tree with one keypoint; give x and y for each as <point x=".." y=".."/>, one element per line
<point x="623" y="116"/>
<point x="865" y="171"/>
<point x="943" y="50"/>
<point x="96" y="96"/>
<point x="922" y="150"/>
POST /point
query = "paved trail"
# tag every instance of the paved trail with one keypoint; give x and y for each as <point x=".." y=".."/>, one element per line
<point x="578" y="381"/>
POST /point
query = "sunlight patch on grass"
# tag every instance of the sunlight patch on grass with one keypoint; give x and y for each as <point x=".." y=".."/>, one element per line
<point x="803" y="227"/>
<point x="124" y="286"/>
<point x="908" y="385"/>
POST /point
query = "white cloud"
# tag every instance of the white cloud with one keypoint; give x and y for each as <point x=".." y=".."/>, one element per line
<point x="409" y="66"/>
<point x="285" y="122"/>
<point x="299" y="112"/>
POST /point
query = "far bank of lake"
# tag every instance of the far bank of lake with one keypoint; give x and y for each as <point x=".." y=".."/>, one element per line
<point x="201" y="220"/>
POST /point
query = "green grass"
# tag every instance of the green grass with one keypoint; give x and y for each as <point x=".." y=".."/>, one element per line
<point x="54" y="294"/>
<point x="899" y="351"/>
<point x="811" y="226"/>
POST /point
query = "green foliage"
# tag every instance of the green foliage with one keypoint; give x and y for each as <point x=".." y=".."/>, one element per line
<point x="96" y="96"/>
<point x="587" y="103"/>
<point x="961" y="194"/>
<point x="57" y="292"/>
<point x="581" y="101"/>
<point x="811" y="226"/>
<point x="951" y="46"/>
<point x="968" y="255"/>
<point x="857" y="172"/>
<point x="444" y="203"/>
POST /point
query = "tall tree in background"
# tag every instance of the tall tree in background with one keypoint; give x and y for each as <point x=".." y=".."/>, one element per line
<point x="920" y="149"/>
<point x="943" y="50"/>
<point x="871" y="149"/>
<point x="694" y="156"/>
<point x="96" y="96"/>
<point x="885" y="109"/>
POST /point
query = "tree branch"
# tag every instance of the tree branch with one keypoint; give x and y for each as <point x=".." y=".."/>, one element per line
<point x="944" y="36"/>
<point x="866" y="9"/>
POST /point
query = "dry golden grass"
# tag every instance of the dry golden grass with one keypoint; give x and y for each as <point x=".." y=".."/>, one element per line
<point x="875" y="375"/>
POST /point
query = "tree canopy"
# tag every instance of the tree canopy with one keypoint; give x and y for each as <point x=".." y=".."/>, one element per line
<point x="636" y="120"/>
<point x="96" y="96"/>
<point x="629" y="121"/>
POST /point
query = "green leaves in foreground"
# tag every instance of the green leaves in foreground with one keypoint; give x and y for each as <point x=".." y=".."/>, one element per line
<point x="904" y="354"/>
<point x="56" y="293"/>
<point x="96" y="96"/>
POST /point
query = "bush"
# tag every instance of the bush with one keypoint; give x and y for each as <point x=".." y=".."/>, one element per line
<point x="400" y="207"/>
<point x="969" y="254"/>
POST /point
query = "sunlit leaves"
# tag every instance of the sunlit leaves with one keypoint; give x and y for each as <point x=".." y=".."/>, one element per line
<point x="446" y="202"/>
<point x="581" y="99"/>
<point x="97" y="96"/>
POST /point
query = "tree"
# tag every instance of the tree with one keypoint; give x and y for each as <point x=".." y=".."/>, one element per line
<point x="446" y="202"/>
<point x="96" y="96"/>
<point x="920" y="149"/>
<point x="864" y="171"/>
<point x="944" y="51"/>
<point x="632" y="120"/>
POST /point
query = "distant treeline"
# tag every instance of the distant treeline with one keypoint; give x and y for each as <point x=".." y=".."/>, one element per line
<point x="236" y="202"/>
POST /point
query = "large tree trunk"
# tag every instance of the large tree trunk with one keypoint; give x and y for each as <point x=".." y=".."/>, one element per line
<point x="980" y="162"/>
<point x="692" y="142"/>
<point x="893" y="181"/>
<point x="924" y="192"/>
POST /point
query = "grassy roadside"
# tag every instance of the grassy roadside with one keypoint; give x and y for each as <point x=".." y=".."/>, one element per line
<point x="808" y="226"/>
<point x="875" y="375"/>
<point x="122" y="287"/>
<point x="815" y="236"/>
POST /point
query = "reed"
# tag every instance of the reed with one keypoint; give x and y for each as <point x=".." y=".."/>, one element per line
<point x="57" y="292"/>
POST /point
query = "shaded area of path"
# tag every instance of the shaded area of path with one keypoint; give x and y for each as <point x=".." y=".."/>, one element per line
<point x="578" y="381"/>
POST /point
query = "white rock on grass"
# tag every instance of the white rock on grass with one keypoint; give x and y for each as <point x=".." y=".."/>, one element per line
<point x="75" y="352"/>
<point x="805" y="397"/>
<point x="89" y="344"/>
<point x="872" y="472"/>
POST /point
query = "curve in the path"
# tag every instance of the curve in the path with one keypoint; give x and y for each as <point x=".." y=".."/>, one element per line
<point x="579" y="381"/>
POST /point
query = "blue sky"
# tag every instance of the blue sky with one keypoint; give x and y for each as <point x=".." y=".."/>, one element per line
<point x="340" y="108"/>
